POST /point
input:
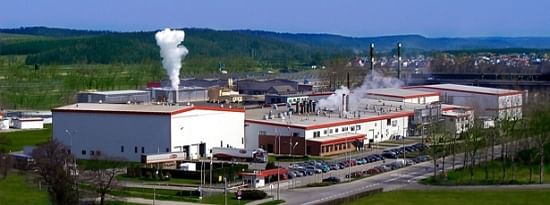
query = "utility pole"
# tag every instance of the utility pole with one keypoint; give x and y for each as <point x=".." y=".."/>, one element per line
<point x="211" y="171"/>
<point x="398" y="60"/>
<point x="278" y="166"/>
<point x="371" y="57"/>
<point x="225" y="191"/>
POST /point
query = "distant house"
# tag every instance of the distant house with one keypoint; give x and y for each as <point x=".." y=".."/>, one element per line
<point x="281" y="90"/>
<point x="257" y="87"/>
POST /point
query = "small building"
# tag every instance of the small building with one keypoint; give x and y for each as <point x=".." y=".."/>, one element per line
<point x="261" y="87"/>
<point x="114" y="97"/>
<point x="128" y="131"/>
<point x="258" y="179"/>
<point x="221" y="94"/>
<point x="28" y="123"/>
<point x="487" y="102"/>
<point x="290" y="99"/>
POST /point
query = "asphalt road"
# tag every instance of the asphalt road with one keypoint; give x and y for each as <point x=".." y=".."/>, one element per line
<point x="389" y="181"/>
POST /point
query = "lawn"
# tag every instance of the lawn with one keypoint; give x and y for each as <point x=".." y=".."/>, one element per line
<point x="124" y="177"/>
<point x="462" y="176"/>
<point x="172" y="195"/>
<point x="458" y="197"/>
<point x="273" y="202"/>
<point x="16" y="189"/>
<point x="18" y="139"/>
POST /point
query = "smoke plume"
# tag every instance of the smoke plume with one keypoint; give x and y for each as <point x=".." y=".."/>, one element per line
<point x="373" y="80"/>
<point x="172" y="52"/>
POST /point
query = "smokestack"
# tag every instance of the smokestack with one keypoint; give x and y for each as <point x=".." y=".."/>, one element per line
<point x="398" y="60"/>
<point x="343" y="103"/>
<point x="313" y="106"/>
<point x="348" y="81"/>
<point x="297" y="107"/>
<point x="371" y="57"/>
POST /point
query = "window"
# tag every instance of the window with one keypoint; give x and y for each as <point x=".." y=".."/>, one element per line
<point x="344" y="129"/>
<point x="394" y="123"/>
<point x="388" y="122"/>
<point x="325" y="132"/>
<point x="98" y="153"/>
<point x="330" y="131"/>
<point x="352" y="128"/>
<point x="121" y="148"/>
<point x="135" y="149"/>
<point x="261" y="133"/>
<point x="142" y="150"/>
<point x="358" y="127"/>
<point x="316" y="134"/>
<point x="83" y="152"/>
<point x="167" y="149"/>
<point x="242" y="140"/>
<point x="92" y="153"/>
<point x="336" y="130"/>
<point x="295" y="134"/>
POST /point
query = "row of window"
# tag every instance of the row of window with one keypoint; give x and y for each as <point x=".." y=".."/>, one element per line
<point x="335" y="147"/>
<point x="336" y="130"/>
<point x="92" y="152"/>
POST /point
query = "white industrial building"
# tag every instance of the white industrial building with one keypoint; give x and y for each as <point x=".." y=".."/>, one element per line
<point x="28" y="123"/>
<point x="279" y="130"/>
<point x="128" y="131"/>
<point x="490" y="103"/>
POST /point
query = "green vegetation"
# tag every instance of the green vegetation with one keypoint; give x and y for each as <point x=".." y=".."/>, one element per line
<point x="458" y="197"/>
<point x="16" y="140"/>
<point x="125" y="177"/>
<point x="462" y="176"/>
<point x="120" y="203"/>
<point x="17" y="189"/>
<point x="175" y="195"/>
<point x="273" y="202"/>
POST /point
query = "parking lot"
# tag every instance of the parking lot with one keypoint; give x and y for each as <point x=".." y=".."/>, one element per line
<point x="354" y="166"/>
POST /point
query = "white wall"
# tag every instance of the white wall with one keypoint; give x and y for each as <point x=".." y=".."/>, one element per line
<point x="207" y="126"/>
<point x="18" y="124"/>
<point x="373" y="130"/>
<point x="107" y="132"/>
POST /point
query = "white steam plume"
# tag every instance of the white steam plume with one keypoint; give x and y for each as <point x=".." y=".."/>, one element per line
<point x="172" y="52"/>
<point x="373" y="80"/>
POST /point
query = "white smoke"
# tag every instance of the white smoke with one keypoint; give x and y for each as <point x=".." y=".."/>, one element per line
<point x="172" y="52"/>
<point x="373" y="80"/>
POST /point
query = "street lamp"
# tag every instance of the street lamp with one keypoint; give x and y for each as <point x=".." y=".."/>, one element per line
<point x="291" y="150"/>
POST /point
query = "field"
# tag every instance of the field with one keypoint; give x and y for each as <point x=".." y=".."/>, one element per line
<point x="16" y="140"/>
<point x="172" y="195"/>
<point x="458" y="197"/>
<point x="17" y="189"/>
<point x="462" y="176"/>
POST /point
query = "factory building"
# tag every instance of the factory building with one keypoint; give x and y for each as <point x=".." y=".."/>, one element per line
<point x="180" y="95"/>
<point x="204" y="83"/>
<point x="294" y="98"/>
<point x="258" y="87"/>
<point x="305" y="129"/>
<point x="403" y="95"/>
<point x="114" y="97"/>
<point x="128" y="131"/>
<point x="490" y="103"/>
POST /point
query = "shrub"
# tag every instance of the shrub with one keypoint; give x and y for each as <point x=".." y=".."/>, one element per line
<point x="252" y="194"/>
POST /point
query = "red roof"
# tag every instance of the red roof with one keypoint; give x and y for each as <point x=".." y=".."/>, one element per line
<point x="266" y="173"/>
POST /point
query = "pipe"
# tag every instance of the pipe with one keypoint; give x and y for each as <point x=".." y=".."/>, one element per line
<point x="371" y="57"/>
<point x="398" y="60"/>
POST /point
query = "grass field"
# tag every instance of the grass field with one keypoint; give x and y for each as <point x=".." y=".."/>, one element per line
<point x="18" y="139"/>
<point x="16" y="190"/>
<point x="462" y="176"/>
<point x="458" y="197"/>
<point x="163" y="194"/>
<point x="124" y="177"/>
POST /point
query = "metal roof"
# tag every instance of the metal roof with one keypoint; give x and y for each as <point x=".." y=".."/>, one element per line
<point x="470" y="89"/>
<point x="137" y="108"/>
<point x="400" y="93"/>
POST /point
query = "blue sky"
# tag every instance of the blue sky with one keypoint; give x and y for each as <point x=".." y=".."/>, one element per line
<point x="433" y="18"/>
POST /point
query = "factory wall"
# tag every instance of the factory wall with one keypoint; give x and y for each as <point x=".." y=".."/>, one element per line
<point x="253" y="130"/>
<point x="122" y="135"/>
<point x="211" y="127"/>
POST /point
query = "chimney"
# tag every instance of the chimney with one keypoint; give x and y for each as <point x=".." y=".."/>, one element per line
<point x="343" y="103"/>
<point x="313" y="103"/>
<point x="348" y="81"/>
<point x="398" y="60"/>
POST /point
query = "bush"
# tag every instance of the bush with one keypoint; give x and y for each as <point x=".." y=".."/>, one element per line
<point x="252" y="194"/>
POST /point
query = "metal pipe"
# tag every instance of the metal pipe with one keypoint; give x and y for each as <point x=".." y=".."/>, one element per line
<point x="372" y="57"/>
<point x="398" y="60"/>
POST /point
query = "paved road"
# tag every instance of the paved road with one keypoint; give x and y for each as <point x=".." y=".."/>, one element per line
<point x="389" y="181"/>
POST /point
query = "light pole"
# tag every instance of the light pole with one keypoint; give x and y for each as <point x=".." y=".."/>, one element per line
<point x="291" y="150"/>
<point x="278" y="163"/>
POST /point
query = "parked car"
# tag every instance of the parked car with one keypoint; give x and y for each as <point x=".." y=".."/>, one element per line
<point x="292" y="175"/>
<point x="332" y="179"/>
<point x="389" y="154"/>
<point x="334" y="167"/>
<point x="373" y="171"/>
<point x="314" y="169"/>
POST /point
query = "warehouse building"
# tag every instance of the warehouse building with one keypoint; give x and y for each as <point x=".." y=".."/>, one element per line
<point x="180" y="95"/>
<point x="28" y="123"/>
<point x="490" y="103"/>
<point x="308" y="130"/>
<point x="404" y="95"/>
<point x="129" y="131"/>
<point x="114" y="97"/>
